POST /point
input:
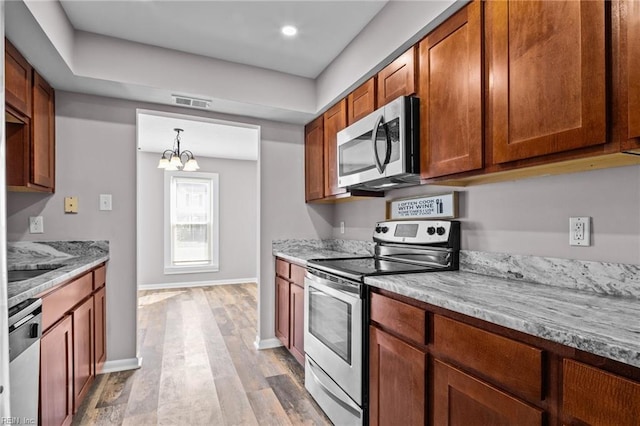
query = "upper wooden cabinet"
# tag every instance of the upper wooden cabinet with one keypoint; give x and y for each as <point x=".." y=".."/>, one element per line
<point x="361" y="101"/>
<point x="627" y="14"/>
<point x="30" y="127"/>
<point x="335" y="119"/>
<point x="43" y="147"/>
<point x="450" y="90"/>
<point x="18" y="76"/>
<point x="398" y="78"/>
<point x="314" y="159"/>
<point x="546" y="64"/>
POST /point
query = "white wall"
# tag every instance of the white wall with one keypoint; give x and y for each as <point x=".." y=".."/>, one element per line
<point x="531" y="216"/>
<point x="238" y="221"/>
<point x="90" y="131"/>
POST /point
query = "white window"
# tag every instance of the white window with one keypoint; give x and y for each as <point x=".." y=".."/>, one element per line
<point x="191" y="222"/>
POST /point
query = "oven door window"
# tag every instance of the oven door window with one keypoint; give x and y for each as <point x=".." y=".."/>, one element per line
<point x="330" y="322"/>
<point x="356" y="155"/>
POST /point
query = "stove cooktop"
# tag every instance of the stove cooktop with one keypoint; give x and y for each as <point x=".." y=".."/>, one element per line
<point x="359" y="267"/>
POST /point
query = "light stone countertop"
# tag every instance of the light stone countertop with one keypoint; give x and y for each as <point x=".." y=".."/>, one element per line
<point x="70" y="258"/>
<point x="602" y="324"/>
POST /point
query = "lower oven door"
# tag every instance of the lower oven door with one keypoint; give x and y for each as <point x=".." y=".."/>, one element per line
<point x="333" y="332"/>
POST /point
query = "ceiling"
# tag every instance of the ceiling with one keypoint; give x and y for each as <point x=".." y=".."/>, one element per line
<point x="245" y="32"/>
<point x="228" y="52"/>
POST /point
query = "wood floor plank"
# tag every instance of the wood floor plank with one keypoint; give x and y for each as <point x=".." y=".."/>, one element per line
<point x="299" y="409"/>
<point x="235" y="405"/>
<point x="267" y="408"/>
<point x="200" y="367"/>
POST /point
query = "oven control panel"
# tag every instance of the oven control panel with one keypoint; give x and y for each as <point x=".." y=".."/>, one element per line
<point x="440" y="232"/>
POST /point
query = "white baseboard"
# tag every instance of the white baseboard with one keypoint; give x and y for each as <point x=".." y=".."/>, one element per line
<point x="163" y="286"/>
<point x="260" y="344"/>
<point x="121" y="365"/>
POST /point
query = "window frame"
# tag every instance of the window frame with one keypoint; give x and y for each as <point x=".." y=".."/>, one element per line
<point x="213" y="265"/>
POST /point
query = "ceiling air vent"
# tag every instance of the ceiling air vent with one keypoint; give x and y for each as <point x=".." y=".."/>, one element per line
<point x="191" y="102"/>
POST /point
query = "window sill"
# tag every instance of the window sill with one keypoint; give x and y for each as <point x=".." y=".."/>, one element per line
<point x="200" y="269"/>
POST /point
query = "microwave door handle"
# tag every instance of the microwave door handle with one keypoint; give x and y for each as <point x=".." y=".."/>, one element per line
<point x="379" y="165"/>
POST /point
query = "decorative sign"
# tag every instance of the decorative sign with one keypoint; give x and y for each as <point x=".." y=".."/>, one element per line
<point x="426" y="207"/>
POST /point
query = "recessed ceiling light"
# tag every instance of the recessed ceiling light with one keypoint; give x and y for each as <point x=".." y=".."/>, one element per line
<point x="289" y="30"/>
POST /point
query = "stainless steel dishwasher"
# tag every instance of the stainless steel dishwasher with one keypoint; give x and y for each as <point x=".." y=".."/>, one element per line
<point x="25" y="329"/>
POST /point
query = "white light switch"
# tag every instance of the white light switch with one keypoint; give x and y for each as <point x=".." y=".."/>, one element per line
<point x="105" y="202"/>
<point x="36" y="225"/>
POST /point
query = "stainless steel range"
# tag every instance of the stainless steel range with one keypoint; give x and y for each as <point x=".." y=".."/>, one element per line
<point x="336" y="312"/>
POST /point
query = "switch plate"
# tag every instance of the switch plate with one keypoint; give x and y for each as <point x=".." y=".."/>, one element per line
<point x="580" y="231"/>
<point x="105" y="202"/>
<point x="71" y="204"/>
<point x="342" y="226"/>
<point x="36" y="225"/>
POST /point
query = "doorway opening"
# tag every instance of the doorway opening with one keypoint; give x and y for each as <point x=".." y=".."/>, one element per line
<point x="196" y="228"/>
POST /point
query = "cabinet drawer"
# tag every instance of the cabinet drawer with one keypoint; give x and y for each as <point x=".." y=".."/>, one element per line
<point x="99" y="277"/>
<point x="597" y="397"/>
<point x="406" y="320"/>
<point x="297" y="274"/>
<point x="513" y="365"/>
<point x="282" y="268"/>
<point x="60" y="301"/>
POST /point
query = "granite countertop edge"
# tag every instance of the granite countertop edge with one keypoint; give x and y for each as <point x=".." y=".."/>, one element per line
<point x="55" y="277"/>
<point x="623" y="349"/>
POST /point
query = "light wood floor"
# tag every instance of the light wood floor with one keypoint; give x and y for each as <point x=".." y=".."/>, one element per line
<point x="200" y="367"/>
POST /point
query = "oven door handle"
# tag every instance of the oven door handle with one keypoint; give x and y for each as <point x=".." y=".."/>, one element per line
<point x="337" y="394"/>
<point x="343" y="292"/>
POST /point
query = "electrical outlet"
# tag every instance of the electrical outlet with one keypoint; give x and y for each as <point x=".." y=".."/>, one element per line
<point x="36" y="225"/>
<point x="342" y="226"/>
<point x="580" y="231"/>
<point x="105" y="202"/>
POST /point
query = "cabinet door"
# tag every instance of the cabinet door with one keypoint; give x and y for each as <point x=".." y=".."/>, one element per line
<point x="18" y="75"/>
<point x="629" y="90"/>
<point x="546" y="63"/>
<point x="398" y="78"/>
<point x="397" y="381"/>
<point x="314" y="159"/>
<point x="297" y="322"/>
<point x="451" y="95"/>
<point x="459" y="399"/>
<point x="43" y="134"/>
<point x="56" y="374"/>
<point x="596" y="397"/>
<point x="83" y="354"/>
<point x="282" y="311"/>
<point x="100" y="310"/>
<point x="361" y="101"/>
<point x="335" y="119"/>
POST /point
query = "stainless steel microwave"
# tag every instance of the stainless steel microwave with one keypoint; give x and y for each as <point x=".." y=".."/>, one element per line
<point x="382" y="150"/>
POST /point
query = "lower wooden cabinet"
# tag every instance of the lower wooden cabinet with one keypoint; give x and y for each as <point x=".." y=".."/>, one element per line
<point x="289" y="287"/>
<point x="100" y="309"/>
<point x="56" y="374"/>
<point x="397" y="381"/>
<point x="73" y="345"/>
<point x="459" y="399"/>
<point x="83" y="350"/>
<point x="282" y="310"/>
<point x="296" y="315"/>
<point x="428" y="365"/>
<point x="596" y="397"/>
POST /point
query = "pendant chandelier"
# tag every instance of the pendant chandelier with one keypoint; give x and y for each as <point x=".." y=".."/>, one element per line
<point x="173" y="159"/>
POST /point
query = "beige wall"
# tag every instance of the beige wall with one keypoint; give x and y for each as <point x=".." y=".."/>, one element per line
<point x="531" y="216"/>
<point x="238" y="202"/>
